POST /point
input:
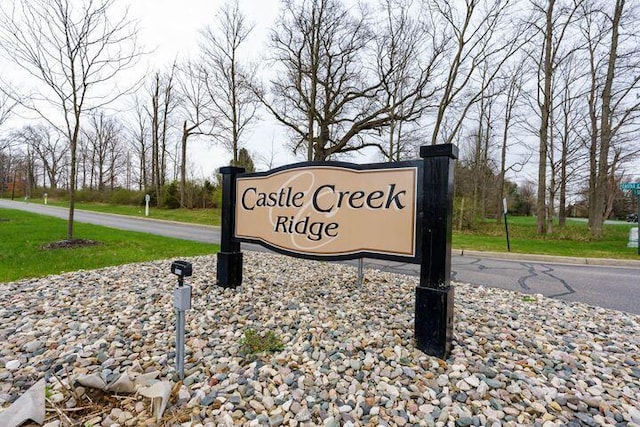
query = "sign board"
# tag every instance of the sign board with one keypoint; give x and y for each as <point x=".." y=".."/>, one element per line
<point x="331" y="210"/>
<point x="630" y="186"/>
<point x="633" y="238"/>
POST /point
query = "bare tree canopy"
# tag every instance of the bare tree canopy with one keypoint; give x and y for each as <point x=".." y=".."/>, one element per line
<point x="104" y="150"/>
<point x="228" y="78"/>
<point x="549" y="87"/>
<point x="48" y="146"/>
<point x="329" y="92"/>
<point x="6" y="106"/>
<point x="483" y="35"/>
<point x="75" y="50"/>
<point x="196" y="110"/>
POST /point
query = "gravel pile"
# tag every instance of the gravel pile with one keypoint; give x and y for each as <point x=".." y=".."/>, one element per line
<point x="347" y="359"/>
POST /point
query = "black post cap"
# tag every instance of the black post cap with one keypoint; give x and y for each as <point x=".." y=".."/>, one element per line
<point x="439" y="150"/>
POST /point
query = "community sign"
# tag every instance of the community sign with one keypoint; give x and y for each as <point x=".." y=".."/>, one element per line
<point x="331" y="210"/>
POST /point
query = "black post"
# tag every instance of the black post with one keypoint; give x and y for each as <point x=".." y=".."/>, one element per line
<point x="637" y="191"/>
<point x="229" y="271"/>
<point x="434" y="295"/>
<point x="506" y="227"/>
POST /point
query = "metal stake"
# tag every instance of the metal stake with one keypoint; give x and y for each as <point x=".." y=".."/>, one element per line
<point x="180" y="343"/>
<point x="506" y="227"/>
<point x="360" y="272"/>
<point x="506" y="224"/>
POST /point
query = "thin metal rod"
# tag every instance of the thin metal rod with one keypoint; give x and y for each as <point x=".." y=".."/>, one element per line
<point x="637" y="191"/>
<point x="180" y="343"/>
<point x="506" y="227"/>
<point x="360" y="272"/>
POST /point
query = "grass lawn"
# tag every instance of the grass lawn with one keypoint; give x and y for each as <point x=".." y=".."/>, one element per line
<point x="23" y="234"/>
<point x="571" y="240"/>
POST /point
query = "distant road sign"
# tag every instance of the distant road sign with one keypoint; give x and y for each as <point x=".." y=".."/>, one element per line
<point x="630" y="186"/>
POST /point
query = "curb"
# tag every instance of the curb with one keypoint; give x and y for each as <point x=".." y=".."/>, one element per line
<point x="549" y="258"/>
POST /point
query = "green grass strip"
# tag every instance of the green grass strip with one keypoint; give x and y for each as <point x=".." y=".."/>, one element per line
<point x="573" y="240"/>
<point x="23" y="234"/>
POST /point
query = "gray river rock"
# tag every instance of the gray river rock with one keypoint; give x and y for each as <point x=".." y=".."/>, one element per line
<point x="347" y="359"/>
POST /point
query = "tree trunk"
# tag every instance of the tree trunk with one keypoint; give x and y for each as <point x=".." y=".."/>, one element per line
<point x="503" y="161"/>
<point x="544" y="125"/>
<point x="183" y="163"/>
<point x="392" y="130"/>
<point x="605" y="128"/>
<point x="313" y="77"/>
<point x="155" y="140"/>
<point x="552" y="176"/>
<point x="593" y="146"/>
<point x="562" y="207"/>
<point x="234" y="109"/>
<point x="72" y="178"/>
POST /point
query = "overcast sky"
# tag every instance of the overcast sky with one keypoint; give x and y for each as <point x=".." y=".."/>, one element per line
<point x="171" y="29"/>
<point x="172" y="26"/>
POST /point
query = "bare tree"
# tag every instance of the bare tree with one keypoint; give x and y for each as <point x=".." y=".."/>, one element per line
<point x="483" y="138"/>
<point x="614" y="108"/>
<point x="403" y="43"/>
<point x="7" y="163"/>
<point x="169" y="103"/>
<point x="478" y="47"/>
<point x="23" y="164"/>
<point x="228" y="77"/>
<point x="568" y="120"/>
<point x="106" y="153"/>
<point x="6" y="106"/>
<point x="326" y="92"/>
<point x="48" y="147"/>
<point x="548" y="54"/>
<point x="139" y="130"/>
<point x="195" y="106"/>
<point x="155" y="135"/>
<point x="510" y="92"/>
<point x="163" y="104"/>
<point x="75" y="50"/>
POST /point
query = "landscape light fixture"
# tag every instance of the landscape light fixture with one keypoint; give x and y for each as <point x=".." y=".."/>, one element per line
<point x="182" y="303"/>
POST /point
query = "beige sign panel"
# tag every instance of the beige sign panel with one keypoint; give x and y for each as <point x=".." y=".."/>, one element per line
<point x="330" y="210"/>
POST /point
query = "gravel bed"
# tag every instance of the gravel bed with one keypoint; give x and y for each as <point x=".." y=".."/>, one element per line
<point x="347" y="360"/>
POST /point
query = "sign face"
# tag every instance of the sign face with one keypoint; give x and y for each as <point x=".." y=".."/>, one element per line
<point x="334" y="210"/>
<point x="630" y="186"/>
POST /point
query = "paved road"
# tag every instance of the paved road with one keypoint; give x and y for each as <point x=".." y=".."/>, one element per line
<point x="606" y="286"/>
<point x="200" y="233"/>
<point x="612" y="287"/>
